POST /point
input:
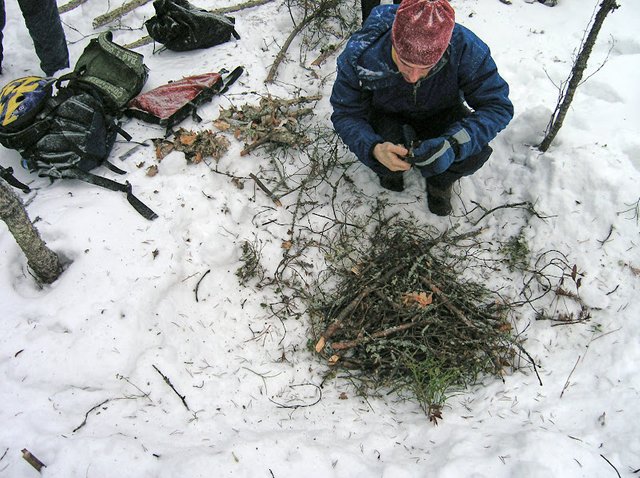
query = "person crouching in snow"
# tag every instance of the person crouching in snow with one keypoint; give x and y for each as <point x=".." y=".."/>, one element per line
<point x="400" y="92"/>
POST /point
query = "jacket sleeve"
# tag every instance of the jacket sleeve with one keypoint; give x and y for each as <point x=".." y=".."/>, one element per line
<point x="486" y="92"/>
<point x="351" y="108"/>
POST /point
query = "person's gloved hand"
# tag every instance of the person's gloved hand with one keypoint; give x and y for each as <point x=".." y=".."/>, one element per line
<point x="433" y="156"/>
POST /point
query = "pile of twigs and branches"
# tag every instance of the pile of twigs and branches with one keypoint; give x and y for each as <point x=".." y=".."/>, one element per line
<point x="401" y="313"/>
<point x="272" y="121"/>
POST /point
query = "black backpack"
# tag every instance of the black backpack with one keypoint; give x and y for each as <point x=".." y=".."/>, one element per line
<point x="69" y="137"/>
<point x="180" y="26"/>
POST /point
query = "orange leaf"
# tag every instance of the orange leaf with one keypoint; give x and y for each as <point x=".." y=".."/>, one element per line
<point x="421" y="299"/>
<point x="187" y="138"/>
<point x="286" y="245"/>
<point x="152" y="170"/>
<point x="221" y="125"/>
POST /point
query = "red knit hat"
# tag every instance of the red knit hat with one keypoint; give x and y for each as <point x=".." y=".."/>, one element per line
<point x="421" y="30"/>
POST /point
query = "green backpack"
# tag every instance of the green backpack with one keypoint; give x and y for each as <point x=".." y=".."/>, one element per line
<point x="117" y="73"/>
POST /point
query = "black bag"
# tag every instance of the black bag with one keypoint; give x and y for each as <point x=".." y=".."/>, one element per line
<point x="72" y="135"/>
<point x="180" y="26"/>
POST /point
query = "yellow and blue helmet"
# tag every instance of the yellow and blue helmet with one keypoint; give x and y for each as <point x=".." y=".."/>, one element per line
<point x="22" y="99"/>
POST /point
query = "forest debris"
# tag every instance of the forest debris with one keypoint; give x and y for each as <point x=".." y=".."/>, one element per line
<point x="407" y="320"/>
<point x="70" y="6"/>
<point x="268" y="192"/>
<point x="183" y="398"/>
<point x="273" y="120"/>
<point x="117" y="13"/>
<point x="152" y="170"/>
<point x="195" y="145"/>
<point x="32" y="460"/>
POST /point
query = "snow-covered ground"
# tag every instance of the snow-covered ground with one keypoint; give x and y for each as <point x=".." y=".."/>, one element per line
<point x="78" y="384"/>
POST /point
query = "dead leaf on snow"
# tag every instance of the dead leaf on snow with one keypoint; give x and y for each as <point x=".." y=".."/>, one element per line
<point x="187" y="138"/>
<point x="239" y="183"/>
<point x="221" y="125"/>
<point x="152" y="170"/>
<point x="163" y="148"/>
<point x="421" y="299"/>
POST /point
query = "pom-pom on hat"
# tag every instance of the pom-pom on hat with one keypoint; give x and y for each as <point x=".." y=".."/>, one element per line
<point x="421" y="30"/>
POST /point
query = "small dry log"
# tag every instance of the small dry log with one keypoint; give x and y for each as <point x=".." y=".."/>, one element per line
<point x="118" y="12"/>
<point x="70" y="6"/>
<point x="32" y="460"/>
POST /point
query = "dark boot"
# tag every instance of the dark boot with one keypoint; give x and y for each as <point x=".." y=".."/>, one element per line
<point x="394" y="182"/>
<point x="439" y="200"/>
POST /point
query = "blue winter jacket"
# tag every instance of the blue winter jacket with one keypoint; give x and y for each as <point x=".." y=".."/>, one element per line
<point x="367" y="79"/>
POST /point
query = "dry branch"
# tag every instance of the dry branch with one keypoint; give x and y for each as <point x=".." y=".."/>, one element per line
<point x="327" y="53"/>
<point x="118" y="12"/>
<point x="71" y="5"/>
<point x="268" y="192"/>
<point x="349" y="344"/>
<point x="322" y="10"/>
<point x="168" y="382"/>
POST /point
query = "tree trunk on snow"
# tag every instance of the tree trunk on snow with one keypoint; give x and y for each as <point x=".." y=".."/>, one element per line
<point x="42" y="260"/>
<point x="557" y="118"/>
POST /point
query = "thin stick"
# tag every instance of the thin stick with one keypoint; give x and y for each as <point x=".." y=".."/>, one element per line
<point x="280" y="405"/>
<point x="261" y="185"/>
<point x="168" y="382"/>
<point x="566" y="383"/>
<point x="198" y="284"/>
<point x="32" y="460"/>
<point x="86" y="415"/>
<point x="118" y="12"/>
<point x="524" y="205"/>
<point x="602" y="242"/>
<point x="605" y="459"/>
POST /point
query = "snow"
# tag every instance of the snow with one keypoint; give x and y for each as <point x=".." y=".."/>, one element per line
<point x="79" y="389"/>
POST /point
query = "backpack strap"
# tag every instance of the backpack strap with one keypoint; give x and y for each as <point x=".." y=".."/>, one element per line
<point x="7" y="175"/>
<point x="138" y="205"/>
